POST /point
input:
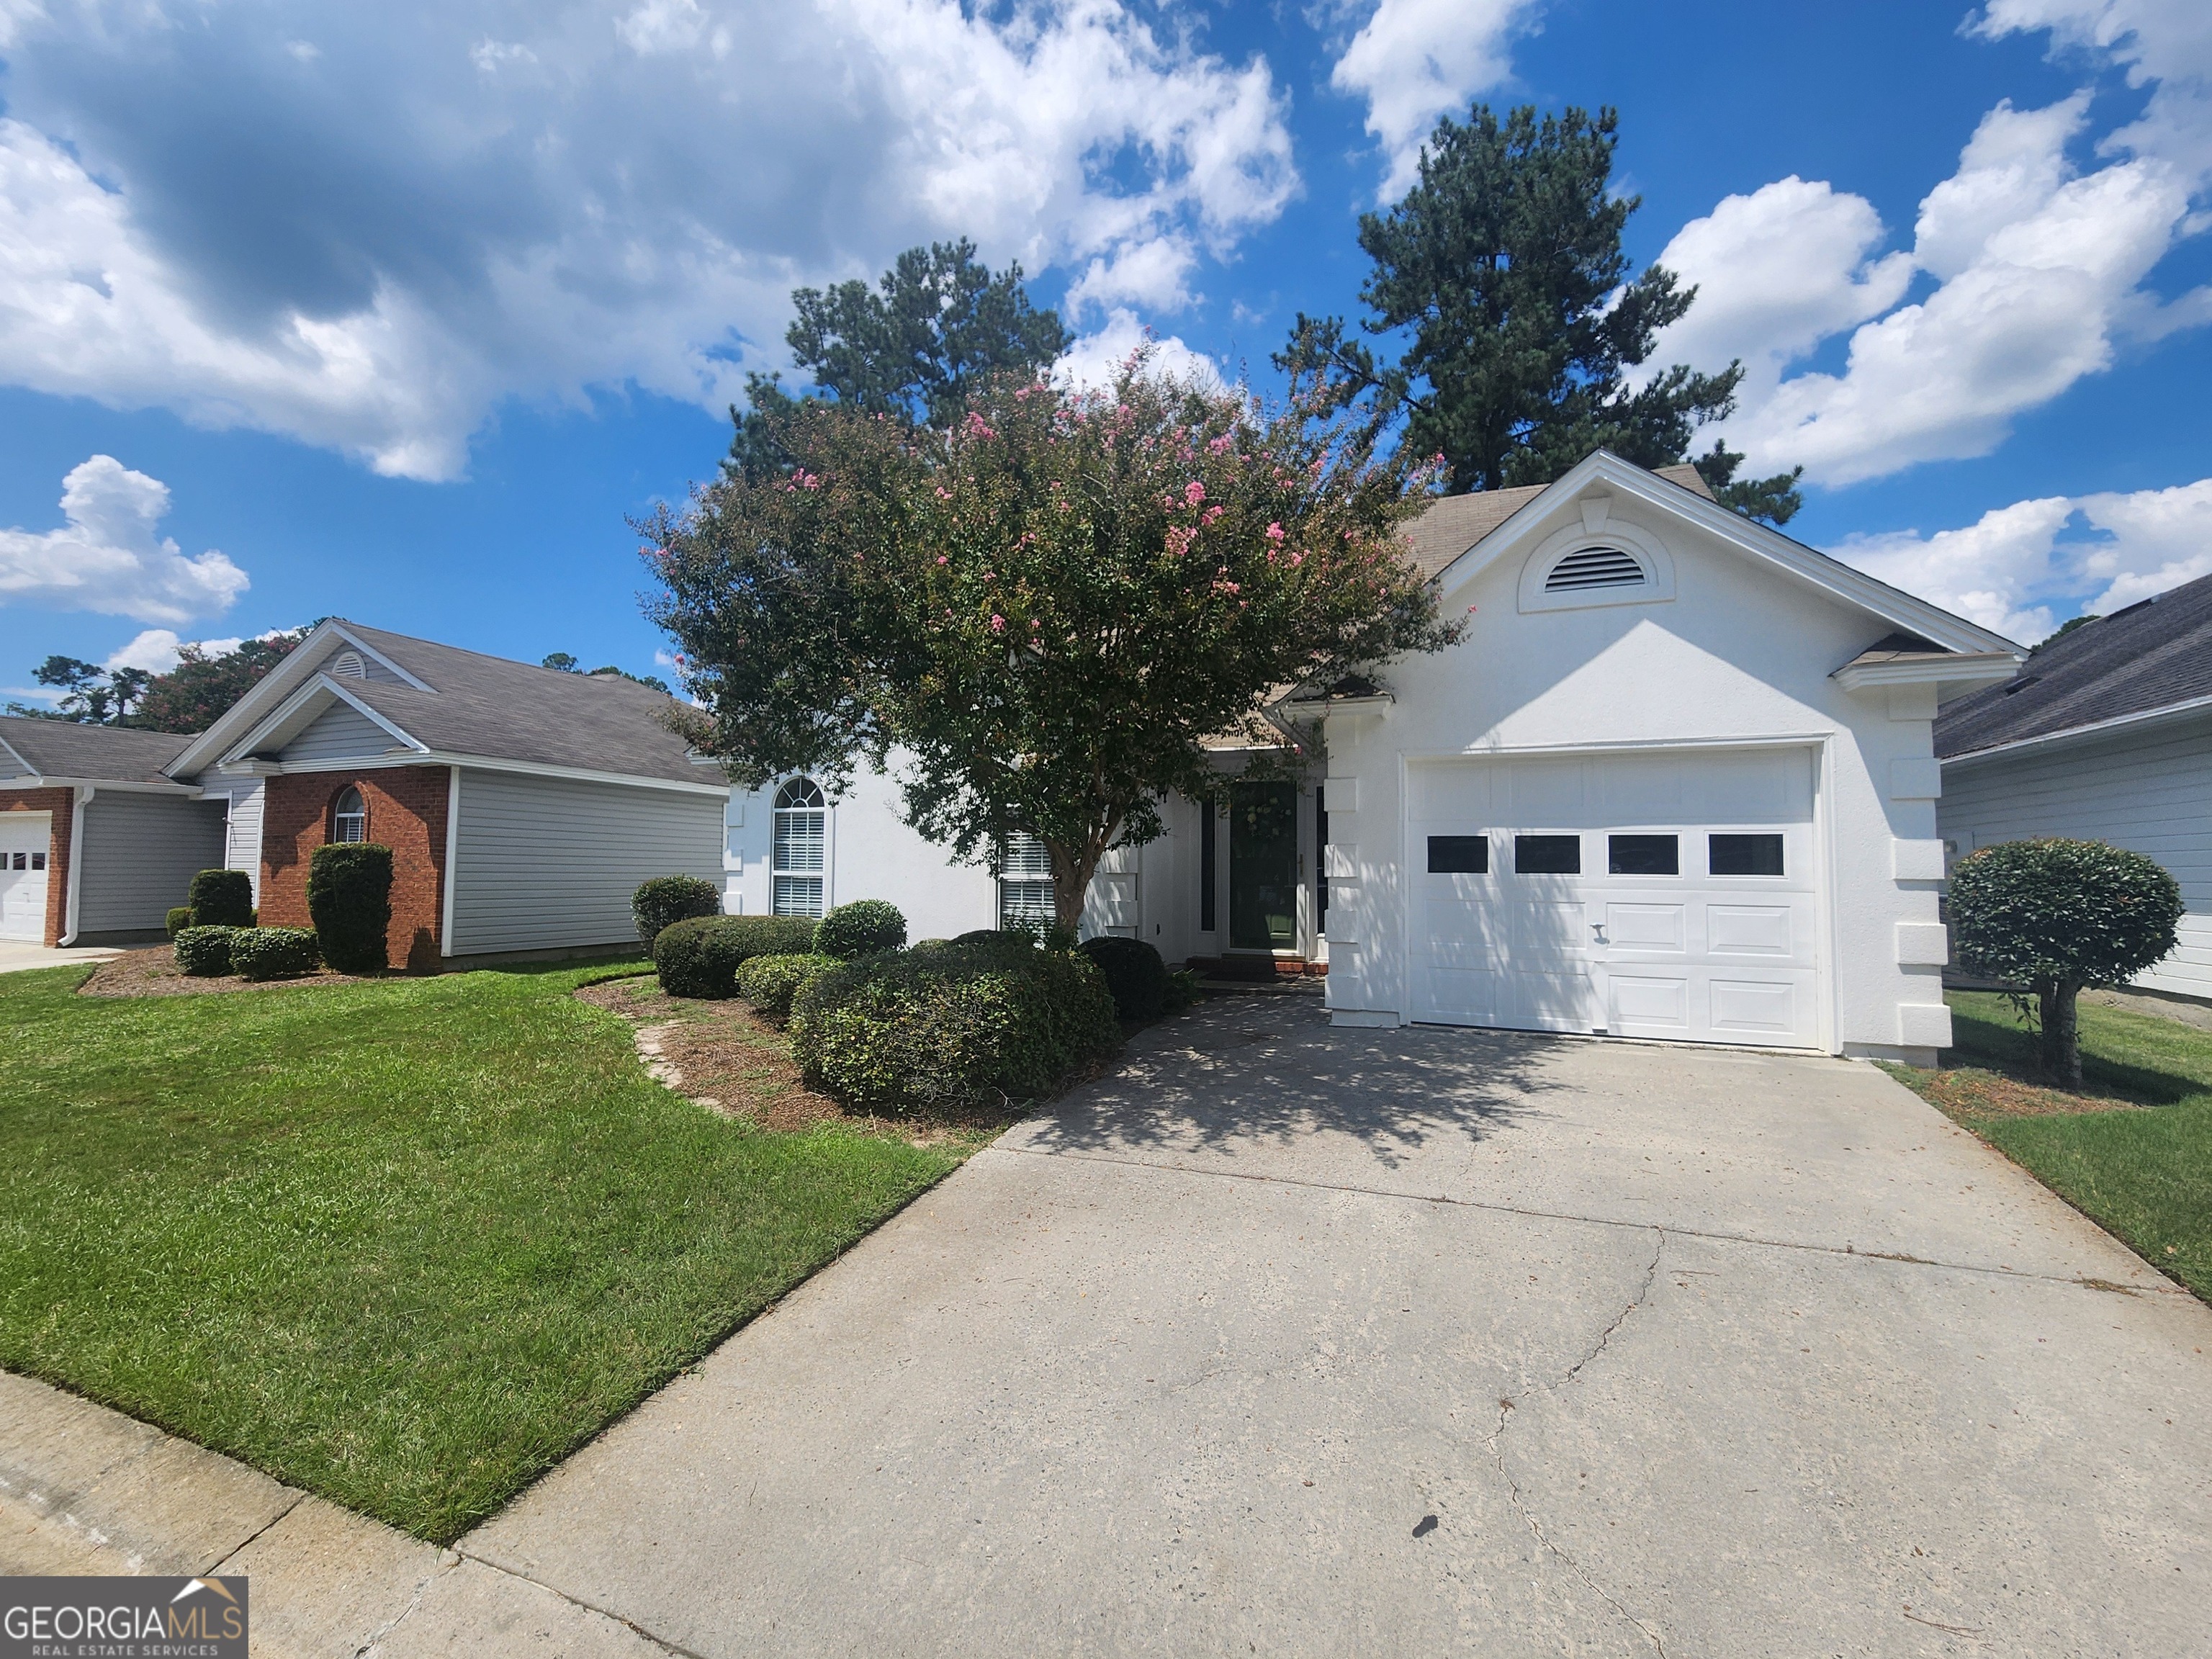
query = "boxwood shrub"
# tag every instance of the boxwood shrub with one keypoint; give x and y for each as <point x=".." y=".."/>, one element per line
<point x="204" y="952"/>
<point x="770" y="982"/>
<point x="179" y="919"/>
<point x="350" y="896"/>
<point x="220" y="898"/>
<point x="951" y="1025"/>
<point x="273" y="952"/>
<point x="1135" y="974"/>
<point x="664" y="901"/>
<point x="860" y="929"/>
<point x="700" y="958"/>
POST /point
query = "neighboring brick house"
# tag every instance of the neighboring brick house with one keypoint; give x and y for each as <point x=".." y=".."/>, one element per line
<point x="522" y="805"/>
<point x="97" y="840"/>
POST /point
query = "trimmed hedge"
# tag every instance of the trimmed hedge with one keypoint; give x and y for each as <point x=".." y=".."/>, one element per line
<point x="770" y="982"/>
<point x="179" y="919"/>
<point x="664" y="901"/>
<point x="220" y="898"/>
<point x="204" y="952"/>
<point x="860" y="929"/>
<point x="1135" y="974"/>
<point x="951" y="1025"/>
<point x="700" y="958"/>
<point x="274" y="953"/>
<point x="350" y="896"/>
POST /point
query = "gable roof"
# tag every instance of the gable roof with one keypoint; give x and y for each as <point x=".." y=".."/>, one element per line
<point x="1456" y="523"/>
<point x="464" y="705"/>
<point x="2151" y="657"/>
<point x="96" y="754"/>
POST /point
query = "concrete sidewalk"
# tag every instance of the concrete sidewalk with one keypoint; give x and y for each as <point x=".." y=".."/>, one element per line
<point x="1289" y="1339"/>
<point x="16" y="957"/>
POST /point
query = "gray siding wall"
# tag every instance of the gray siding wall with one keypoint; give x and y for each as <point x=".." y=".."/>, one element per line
<point x="141" y="853"/>
<point x="339" y="732"/>
<point x="546" y="863"/>
<point x="2151" y="794"/>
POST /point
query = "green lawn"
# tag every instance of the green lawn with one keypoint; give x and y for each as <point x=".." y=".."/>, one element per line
<point x="2144" y="1170"/>
<point x="404" y="1245"/>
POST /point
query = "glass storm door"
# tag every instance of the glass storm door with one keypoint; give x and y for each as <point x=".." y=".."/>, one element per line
<point x="1263" y="866"/>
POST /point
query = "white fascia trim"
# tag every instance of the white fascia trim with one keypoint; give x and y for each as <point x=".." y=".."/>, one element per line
<point x="1961" y="668"/>
<point x="1628" y="745"/>
<point x="276" y="687"/>
<point x="453" y="859"/>
<point x="40" y="780"/>
<point x="84" y="794"/>
<point x="299" y="700"/>
<point x="2095" y="729"/>
<point x="1808" y="565"/>
<point x="489" y="763"/>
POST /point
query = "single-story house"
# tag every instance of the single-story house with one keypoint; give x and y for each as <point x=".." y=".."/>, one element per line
<point x="2107" y="735"/>
<point x="97" y="840"/>
<point x="1679" y="780"/>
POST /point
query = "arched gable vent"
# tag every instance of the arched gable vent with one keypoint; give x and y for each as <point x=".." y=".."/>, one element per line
<point x="349" y="666"/>
<point x="1594" y="566"/>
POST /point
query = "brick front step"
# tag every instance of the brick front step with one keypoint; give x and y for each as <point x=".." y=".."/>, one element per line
<point x="1257" y="967"/>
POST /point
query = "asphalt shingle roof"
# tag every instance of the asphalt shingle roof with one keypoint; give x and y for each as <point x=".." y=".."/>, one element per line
<point x="64" y="748"/>
<point x="1456" y="523"/>
<point x="504" y="710"/>
<point x="2150" y="656"/>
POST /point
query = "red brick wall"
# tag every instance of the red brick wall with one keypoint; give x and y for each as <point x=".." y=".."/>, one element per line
<point x="406" y="812"/>
<point x="62" y="803"/>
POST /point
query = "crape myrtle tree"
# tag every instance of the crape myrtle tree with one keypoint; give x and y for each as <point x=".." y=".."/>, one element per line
<point x="2061" y="916"/>
<point x="1501" y="276"/>
<point x="1042" y="607"/>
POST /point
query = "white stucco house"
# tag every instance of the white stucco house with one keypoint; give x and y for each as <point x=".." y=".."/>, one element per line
<point x="1679" y="782"/>
<point x="2107" y="735"/>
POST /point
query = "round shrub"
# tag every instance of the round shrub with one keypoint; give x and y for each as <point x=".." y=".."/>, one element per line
<point x="950" y="1025"/>
<point x="700" y="958"/>
<point x="220" y="898"/>
<point x="860" y="929"/>
<point x="204" y="952"/>
<point x="179" y="919"/>
<point x="996" y="936"/>
<point x="1135" y="973"/>
<point x="664" y="901"/>
<point x="770" y="982"/>
<point x="274" y="953"/>
<point x="350" y="896"/>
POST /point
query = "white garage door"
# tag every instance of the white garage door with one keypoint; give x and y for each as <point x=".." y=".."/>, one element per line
<point x="24" y="837"/>
<point x="1649" y="896"/>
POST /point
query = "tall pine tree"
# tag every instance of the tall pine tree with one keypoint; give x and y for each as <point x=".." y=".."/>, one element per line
<point x="1501" y="274"/>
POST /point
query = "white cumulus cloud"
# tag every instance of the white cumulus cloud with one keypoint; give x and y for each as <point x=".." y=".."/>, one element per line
<point x="157" y="650"/>
<point x="1096" y="358"/>
<point x="1414" y="60"/>
<point x="108" y="558"/>
<point x="2024" y="568"/>
<point x="586" y="195"/>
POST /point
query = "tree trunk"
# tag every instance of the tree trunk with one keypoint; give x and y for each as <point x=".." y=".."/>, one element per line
<point x="2062" y="1033"/>
<point x="1072" y="870"/>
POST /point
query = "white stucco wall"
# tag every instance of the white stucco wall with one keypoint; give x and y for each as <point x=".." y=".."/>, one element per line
<point x="1741" y="651"/>
<point x="2150" y="792"/>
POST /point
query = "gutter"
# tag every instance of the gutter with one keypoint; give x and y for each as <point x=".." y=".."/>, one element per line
<point x="2141" y="719"/>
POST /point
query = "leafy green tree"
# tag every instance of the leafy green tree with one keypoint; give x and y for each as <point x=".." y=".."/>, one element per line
<point x="1501" y="274"/>
<point x="86" y="696"/>
<point x="561" y="662"/>
<point x="201" y="688"/>
<point x="1042" y="610"/>
<point x="943" y="322"/>
<point x="2061" y="916"/>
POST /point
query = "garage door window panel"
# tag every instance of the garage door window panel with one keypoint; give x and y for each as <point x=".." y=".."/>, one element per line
<point x="1644" y="855"/>
<point x="1744" y="855"/>
<point x="1459" y="855"/>
<point x="1547" y="855"/>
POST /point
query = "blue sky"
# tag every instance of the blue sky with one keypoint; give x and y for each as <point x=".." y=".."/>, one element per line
<point x="398" y="313"/>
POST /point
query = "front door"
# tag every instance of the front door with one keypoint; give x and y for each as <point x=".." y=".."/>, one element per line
<point x="1263" y="866"/>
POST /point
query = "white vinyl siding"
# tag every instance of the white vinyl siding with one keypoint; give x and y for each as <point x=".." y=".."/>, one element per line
<point x="242" y="846"/>
<point x="139" y="855"/>
<point x="550" y="863"/>
<point x="1025" y="880"/>
<point x="339" y="732"/>
<point x="2151" y="794"/>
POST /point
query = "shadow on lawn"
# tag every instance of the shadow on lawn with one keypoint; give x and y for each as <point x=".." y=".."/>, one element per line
<point x="2008" y="1048"/>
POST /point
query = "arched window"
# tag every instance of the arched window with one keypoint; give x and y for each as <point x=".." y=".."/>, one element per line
<point x="350" y="816"/>
<point x="801" y="836"/>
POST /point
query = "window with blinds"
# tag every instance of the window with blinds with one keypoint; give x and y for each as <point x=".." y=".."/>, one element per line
<point x="1024" y="880"/>
<point x="802" y="840"/>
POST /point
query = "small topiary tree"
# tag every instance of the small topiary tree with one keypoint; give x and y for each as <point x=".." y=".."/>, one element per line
<point x="860" y="929"/>
<point x="2061" y="916"/>
<point x="220" y="898"/>
<point x="350" y="896"/>
<point x="664" y="901"/>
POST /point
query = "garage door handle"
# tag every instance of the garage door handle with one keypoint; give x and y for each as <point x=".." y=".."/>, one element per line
<point x="1598" y="927"/>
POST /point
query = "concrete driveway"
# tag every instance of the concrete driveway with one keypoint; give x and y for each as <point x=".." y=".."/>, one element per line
<point x="1286" y="1340"/>
<point x="22" y="957"/>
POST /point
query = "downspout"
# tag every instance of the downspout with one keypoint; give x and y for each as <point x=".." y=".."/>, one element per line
<point x="452" y="853"/>
<point x="84" y="793"/>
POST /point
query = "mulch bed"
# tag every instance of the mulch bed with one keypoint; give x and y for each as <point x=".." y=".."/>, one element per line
<point x="724" y="1056"/>
<point x="1971" y="1092"/>
<point x="152" y="973"/>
